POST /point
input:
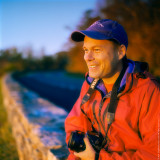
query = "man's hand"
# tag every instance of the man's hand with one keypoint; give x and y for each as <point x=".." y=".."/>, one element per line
<point x="88" y="153"/>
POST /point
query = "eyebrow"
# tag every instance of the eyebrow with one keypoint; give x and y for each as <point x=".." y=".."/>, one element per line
<point x="93" y="46"/>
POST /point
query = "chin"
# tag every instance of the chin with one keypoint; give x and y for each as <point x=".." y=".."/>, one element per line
<point x="93" y="75"/>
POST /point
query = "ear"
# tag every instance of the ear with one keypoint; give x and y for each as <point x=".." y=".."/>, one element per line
<point x="121" y="51"/>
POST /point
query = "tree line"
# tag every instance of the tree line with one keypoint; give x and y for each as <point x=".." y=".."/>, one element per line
<point x="11" y="60"/>
<point x="140" y="19"/>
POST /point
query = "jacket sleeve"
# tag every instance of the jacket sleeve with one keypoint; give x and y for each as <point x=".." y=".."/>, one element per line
<point x="149" y="130"/>
<point x="75" y="121"/>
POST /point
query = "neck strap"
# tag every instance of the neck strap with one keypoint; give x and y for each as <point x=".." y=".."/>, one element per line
<point x="87" y="97"/>
<point x="113" y="100"/>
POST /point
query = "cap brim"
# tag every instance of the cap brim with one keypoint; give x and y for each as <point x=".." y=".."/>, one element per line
<point x="78" y="36"/>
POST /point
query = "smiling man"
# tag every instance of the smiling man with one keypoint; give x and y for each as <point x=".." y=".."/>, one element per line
<point x="103" y="58"/>
<point x="117" y="113"/>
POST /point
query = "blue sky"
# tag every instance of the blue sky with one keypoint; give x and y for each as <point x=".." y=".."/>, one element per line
<point x="40" y="24"/>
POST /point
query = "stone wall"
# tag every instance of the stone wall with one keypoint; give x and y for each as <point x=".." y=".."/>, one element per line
<point x="37" y="124"/>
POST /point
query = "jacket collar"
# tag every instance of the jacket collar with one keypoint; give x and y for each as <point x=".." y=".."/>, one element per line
<point x="133" y="67"/>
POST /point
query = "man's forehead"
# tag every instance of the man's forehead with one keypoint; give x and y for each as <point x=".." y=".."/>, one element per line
<point x="95" y="42"/>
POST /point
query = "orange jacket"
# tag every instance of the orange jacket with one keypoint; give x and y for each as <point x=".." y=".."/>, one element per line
<point x="135" y="133"/>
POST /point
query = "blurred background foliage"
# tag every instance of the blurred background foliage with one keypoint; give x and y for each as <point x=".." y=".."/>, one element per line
<point x="11" y="60"/>
<point x="140" y="18"/>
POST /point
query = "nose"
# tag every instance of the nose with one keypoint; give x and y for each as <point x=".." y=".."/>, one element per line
<point x="89" y="56"/>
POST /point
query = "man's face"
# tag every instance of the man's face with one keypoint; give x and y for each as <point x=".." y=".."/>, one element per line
<point x="101" y="57"/>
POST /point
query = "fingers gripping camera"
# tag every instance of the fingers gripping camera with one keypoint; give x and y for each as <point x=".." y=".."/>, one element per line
<point x="88" y="154"/>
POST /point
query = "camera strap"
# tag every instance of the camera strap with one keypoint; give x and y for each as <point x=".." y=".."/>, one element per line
<point x="112" y="106"/>
<point x="113" y="102"/>
<point x="87" y="97"/>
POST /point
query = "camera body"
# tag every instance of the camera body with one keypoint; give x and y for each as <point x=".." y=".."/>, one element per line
<point x="76" y="142"/>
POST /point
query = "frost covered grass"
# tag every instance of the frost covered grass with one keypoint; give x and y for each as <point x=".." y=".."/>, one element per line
<point x="7" y="143"/>
<point x="56" y="86"/>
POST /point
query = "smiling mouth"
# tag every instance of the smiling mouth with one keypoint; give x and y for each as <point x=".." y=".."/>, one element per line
<point x="92" y="67"/>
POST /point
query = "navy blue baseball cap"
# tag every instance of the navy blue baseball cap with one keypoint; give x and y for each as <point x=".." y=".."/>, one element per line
<point x="104" y="29"/>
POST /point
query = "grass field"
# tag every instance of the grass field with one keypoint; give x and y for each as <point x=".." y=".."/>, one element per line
<point x="7" y="144"/>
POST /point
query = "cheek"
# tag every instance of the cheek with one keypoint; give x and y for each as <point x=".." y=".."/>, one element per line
<point x="107" y="66"/>
<point x="84" y="57"/>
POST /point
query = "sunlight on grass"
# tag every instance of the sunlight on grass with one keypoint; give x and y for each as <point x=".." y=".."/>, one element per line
<point x="7" y="143"/>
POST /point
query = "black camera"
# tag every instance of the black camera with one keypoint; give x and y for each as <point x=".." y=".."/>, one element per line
<point x="77" y="144"/>
<point x="96" y="139"/>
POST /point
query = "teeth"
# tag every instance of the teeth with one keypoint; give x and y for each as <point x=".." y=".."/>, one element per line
<point x="92" y="66"/>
